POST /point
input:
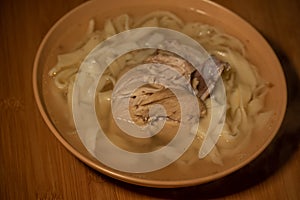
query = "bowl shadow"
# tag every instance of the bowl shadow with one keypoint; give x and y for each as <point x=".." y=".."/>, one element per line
<point x="276" y="155"/>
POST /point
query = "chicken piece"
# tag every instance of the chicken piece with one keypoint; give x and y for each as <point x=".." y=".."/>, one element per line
<point x="201" y="88"/>
<point x="148" y="95"/>
<point x="212" y="75"/>
<point x="151" y="94"/>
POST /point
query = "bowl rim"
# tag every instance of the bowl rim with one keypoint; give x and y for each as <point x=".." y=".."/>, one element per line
<point x="132" y="179"/>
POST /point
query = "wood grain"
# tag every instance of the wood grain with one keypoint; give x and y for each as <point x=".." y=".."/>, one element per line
<point x="34" y="165"/>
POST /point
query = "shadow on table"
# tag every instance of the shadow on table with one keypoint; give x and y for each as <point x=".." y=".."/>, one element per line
<point x="273" y="158"/>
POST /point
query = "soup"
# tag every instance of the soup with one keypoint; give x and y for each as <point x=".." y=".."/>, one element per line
<point x="245" y="89"/>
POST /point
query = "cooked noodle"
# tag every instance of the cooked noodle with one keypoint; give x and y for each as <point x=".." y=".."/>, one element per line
<point x="245" y="89"/>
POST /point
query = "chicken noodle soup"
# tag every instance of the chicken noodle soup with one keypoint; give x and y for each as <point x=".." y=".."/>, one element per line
<point x="245" y="90"/>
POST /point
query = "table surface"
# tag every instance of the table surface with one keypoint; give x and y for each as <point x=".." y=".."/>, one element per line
<point x="34" y="165"/>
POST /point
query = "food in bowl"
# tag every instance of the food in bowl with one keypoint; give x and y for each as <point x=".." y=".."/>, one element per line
<point x="245" y="89"/>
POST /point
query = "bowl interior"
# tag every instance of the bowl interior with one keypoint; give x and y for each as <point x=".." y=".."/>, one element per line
<point x="68" y="31"/>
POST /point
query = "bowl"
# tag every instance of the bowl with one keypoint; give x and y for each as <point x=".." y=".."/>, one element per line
<point x="71" y="28"/>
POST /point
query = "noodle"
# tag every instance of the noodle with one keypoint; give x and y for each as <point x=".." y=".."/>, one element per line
<point x="245" y="89"/>
<point x="161" y="17"/>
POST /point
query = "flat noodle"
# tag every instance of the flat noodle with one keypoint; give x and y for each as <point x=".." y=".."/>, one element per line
<point x="69" y="93"/>
<point x="150" y="23"/>
<point x="245" y="89"/>
<point x="263" y="118"/>
<point x="215" y="156"/>
<point x="106" y="80"/>
<point x="122" y="23"/>
<point x="78" y="55"/>
<point x="158" y="15"/>
<point x="63" y="78"/>
<point x="109" y="28"/>
<point x="104" y="104"/>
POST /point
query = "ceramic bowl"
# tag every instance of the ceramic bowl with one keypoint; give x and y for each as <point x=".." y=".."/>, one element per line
<point x="71" y="28"/>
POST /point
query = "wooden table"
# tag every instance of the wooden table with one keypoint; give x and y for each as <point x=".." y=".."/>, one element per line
<point x="34" y="165"/>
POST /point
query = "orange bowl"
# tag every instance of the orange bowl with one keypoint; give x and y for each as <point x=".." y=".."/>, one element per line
<point x="71" y="28"/>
